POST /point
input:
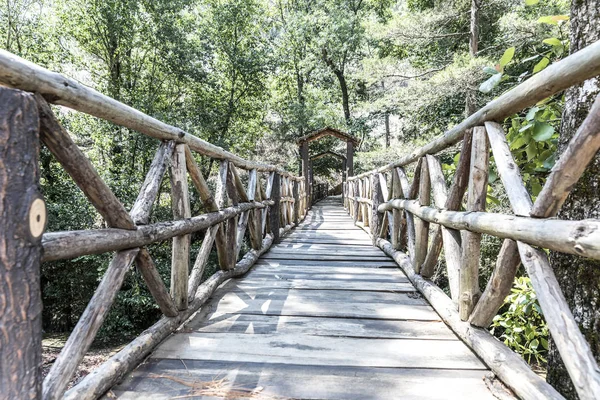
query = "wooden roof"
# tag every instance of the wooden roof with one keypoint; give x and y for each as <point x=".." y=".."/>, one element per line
<point x="327" y="131"/>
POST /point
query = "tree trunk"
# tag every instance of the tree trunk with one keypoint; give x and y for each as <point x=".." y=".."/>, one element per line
<point x="471" y="101"/>
<point x="344" y="88"/>
<point x="579" y="278"/>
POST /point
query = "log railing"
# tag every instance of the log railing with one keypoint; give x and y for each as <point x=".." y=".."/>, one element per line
<point x="258" y="198"/>
<point x="424" y="216"/>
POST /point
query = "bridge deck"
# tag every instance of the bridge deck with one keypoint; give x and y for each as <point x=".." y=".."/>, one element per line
<point x="322" y="315"/>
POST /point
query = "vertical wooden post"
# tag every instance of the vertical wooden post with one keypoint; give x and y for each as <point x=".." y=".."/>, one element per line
<point x="221" y="201"/>
<point x="306" y="172"/>
<point x="396" y="214"/>
<point x="180" y="256"/>
<point x="377" y="199"/>
<point x="23" y="219"/>
<point x="350" y="158"/>
<point x="471" y="241"/>
<point x="275" y="208"/>
<point x="296" y="202"/>
<point x="421" y="226"/>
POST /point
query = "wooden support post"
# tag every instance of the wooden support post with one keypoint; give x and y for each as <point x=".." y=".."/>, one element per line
<point x="221" y="202"/>
<point x="201" y="260"/>
<point x="572" y="345"/>
<point x="206" y="196"/>
<point x="140" y="212"/>
<point x="296" y="202"/>
<point x="79" y="167"/>
<point x="22" y="222"/>
<point x="377" y="199"/>
<point x="499" y="285"/>
<point x="471" y="241"/>
<point x="156" y="286"/>
<point x="232" y="223"/>
<point x="87" y="327"/>
<point x="396" y="214"/>
<point x="408" y="192"/>
<point x="421" y="226"/>
<point x="275" y="208"/>
<point x="388" y="216"/>
<point x="306" y="172"/>
<point x="180" y="255"/>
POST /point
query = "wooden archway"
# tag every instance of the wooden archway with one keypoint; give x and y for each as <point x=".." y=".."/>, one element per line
<point x="303" y="142"/>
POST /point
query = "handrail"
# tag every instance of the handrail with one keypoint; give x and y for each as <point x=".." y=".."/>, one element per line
<point x="265" y="208"/>
<point x="399" y="215"/>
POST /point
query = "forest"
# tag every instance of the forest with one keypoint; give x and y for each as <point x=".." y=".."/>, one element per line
<point x="252" y="76"/>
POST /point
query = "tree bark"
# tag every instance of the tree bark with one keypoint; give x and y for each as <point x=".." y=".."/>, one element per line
<point x="579" y="277"/>
<point x="20" y="249"/>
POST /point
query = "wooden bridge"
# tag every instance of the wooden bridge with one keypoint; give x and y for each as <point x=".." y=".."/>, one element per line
<point x="326" y="312"/>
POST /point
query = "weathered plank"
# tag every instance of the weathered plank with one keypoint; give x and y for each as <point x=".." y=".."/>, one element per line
<point x="181" y="378"/>
<point x="320" y="350"/>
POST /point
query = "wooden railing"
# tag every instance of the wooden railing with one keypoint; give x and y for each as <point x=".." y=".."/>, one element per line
<point x="423" y="217"/>
<point x="269" y="204"/>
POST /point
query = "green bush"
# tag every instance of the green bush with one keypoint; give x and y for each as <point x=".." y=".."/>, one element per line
<point x="521" y="323"/>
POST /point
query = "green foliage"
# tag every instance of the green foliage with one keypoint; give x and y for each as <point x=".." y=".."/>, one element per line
<point x="521" y="324"/>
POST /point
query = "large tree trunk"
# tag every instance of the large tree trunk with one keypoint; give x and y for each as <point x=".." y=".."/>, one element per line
<point x="579" y="278"/>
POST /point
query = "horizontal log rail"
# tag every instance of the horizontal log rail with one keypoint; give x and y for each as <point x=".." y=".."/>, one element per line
<point x="71" y="244"/>
<point x="399" y="215"/>
<point x="258" y="201"/>
<point x="573" y="237"/>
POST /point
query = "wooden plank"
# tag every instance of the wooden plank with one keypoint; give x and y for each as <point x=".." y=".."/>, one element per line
<point x="355" y="271"/>
<point x="313" y="256"/>
<point x="164" y="378"/>
<point x="320" y="350"/>
<point x="317" y="326"/>
<point x="471" y="241"/>
<point x="180" y="203"/>
<point x="319" y="303"/>
<point x="303" y="263"/>
<point x="326" y="284"/>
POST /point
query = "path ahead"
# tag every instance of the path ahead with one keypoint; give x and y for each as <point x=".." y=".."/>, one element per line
<point x="322" y="315"/>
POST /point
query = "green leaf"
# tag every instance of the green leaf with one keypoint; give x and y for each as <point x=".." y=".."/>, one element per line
<point x="519" y="142"/>
<point x="531" y="113"/>
<point x="507" y="56"/>
<point x="491" y="83"/>
<point x="542" y="131"/>
<point x="490" y="70"/>
<point x="553" y="19"/>
<point x="554" y="42"/>
<point x="550" y="161"/>
<point x="531" y="151"/>
<point x="536" y="188"/>
<point x="531" y="2"/>
<point x="541" y="65"/>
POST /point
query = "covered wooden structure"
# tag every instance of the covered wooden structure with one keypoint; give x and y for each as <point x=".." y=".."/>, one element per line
<point x="348" y="168"/>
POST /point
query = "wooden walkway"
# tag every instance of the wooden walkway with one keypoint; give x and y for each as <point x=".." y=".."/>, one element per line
<point x="322" y="315"/>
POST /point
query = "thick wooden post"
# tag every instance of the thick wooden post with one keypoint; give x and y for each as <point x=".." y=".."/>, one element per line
<point x="180" y="257"/>
<point x="471" y="241"/>
<point x="23" y="219"/>
<point x="306" y="172"/>
<point x="350" y="158"/>
<point x="221" y="202"/>
<point x="296" y="217"/>
<point x="275" y="208"/>
<point x="421" y="226"/>
<point x="377" y="199"/>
